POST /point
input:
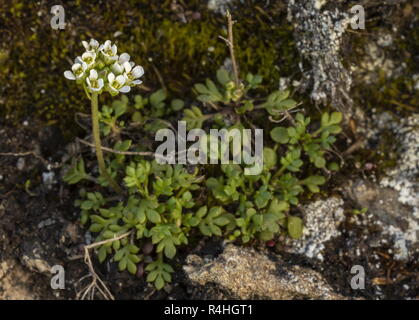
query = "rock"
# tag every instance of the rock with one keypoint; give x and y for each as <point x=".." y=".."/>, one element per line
<point x="321" y="223"/>
<point x="20" y="165"/>
<point x="219" y="6"/>
<point x="15" y="283"/>
<point x="33" y="258"/>
<point x="48" y="178"/>
<point x="318" y="34"/>
<point x="393" y="202"/>
<point x="248" y="274"/>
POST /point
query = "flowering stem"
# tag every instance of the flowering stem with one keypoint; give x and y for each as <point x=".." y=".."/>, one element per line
<point x="98" y="146"/>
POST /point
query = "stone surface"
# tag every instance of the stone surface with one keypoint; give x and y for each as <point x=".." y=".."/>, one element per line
<point x="321" y="223"/>
<point x="318" y="34"/>
<point x="248" y="274"/>
<point x="393" y="201"/>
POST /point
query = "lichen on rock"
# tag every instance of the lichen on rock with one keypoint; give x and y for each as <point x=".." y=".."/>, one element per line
<point x="318" y="34"/>
<point x="248" y="274"/>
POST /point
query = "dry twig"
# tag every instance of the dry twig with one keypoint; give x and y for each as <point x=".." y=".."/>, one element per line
<point x="96" y="283"/>
<point x="230" y="43"/>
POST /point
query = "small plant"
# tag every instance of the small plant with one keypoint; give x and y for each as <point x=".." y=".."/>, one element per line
<point x="164" y="206"/>
<point x="97" y="70"/>
<point x="356" y="212"/>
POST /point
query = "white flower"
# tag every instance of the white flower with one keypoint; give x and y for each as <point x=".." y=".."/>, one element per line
<point x="92" y="46"/>
<point x="116" y="84"/>
<point x="77" y="71"/>
<point x="123" y="58"/>
<point x="131" y="74"/>
<point x="89" y="58"/>
<point x="117" y="68"/>
<point x="93" y="83"/>
<point x="109" y="50"/>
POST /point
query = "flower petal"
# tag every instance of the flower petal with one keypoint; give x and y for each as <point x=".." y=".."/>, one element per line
<point x="75" y="67"/>
<point x="85" y="45"/>
<point x="137" y="72"/>
<point x="120" y="79"/>
<point x="117" y="68"/>
<point x="94" y="43"/>
<point x="135" y="82"/>
<point x="125" y="89"/>
<point x="127" y="66"/>
<point x="78" y="60"/>
<point x="124" y="58"/>
<point x="111" y="77"/>
<point x="100" y="83"/>
<point x="69" y="75"/>
<point x="93" y="74"/>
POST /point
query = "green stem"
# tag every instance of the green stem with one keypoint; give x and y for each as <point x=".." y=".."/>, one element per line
<point x="98" y="145"/>
<point x="279" y="172"/>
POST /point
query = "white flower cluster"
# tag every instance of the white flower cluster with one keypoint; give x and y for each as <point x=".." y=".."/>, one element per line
<point x="101" y="69"/>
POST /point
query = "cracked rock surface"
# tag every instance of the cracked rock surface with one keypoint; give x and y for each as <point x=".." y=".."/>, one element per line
<point x="247" y="274"/>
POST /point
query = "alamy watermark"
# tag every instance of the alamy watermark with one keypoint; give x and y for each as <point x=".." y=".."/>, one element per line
<point x="58" y="280"/>
<point x="58" y="19"/>
<point x="358" y="280"/>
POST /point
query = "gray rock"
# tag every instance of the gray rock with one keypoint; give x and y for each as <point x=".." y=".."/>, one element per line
<point x="219" y="6"/>
<point x="393" y="202"/>
<point x="247" y="274"/>
<point x="321" y="224"/>
<point x="318" y="34"/>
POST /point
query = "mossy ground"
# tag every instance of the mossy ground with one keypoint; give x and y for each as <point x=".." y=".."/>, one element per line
<point x="178" y="44"/>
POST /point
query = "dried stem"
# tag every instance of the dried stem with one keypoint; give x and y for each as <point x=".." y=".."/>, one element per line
<point x="96" y="283"/>
<point x="230" y="43"/>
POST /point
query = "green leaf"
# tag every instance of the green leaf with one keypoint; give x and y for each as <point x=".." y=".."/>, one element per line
<point x="201" y="212"/>
<point x="325" y="119"/>
<point x="288" y="104"/>
<point x="201" y="88"/>
<point x="119" y="255"/>
<point x="319" y="162"/>
<point x="95" y="227"/>
<point x="157" y="98"/>
<point x="262" y="197"/>
<point x="269" y="158"/>
<point x="222" y="76"/>
<point x="122" y="265"/>
<point x="266" y="235"/>
<point x="86" y="205"/>
<point x="215" y="230"/>
<point x="221" y="221"/>
<point x="169" y="250"/>
<point x="177" y="104"/>
<point x="159" y="283"/>
<point x="333" y="166"/>
<point x="280" y="135"/>
<point x="295" y="227"/>
<point x="132" y="268"/>
<point x="153" y="216"/>
<point x="335" y="118"/>
<point x="151" y="277"/>
<point x="102" y="254"/>
<point x="76" y="173"/>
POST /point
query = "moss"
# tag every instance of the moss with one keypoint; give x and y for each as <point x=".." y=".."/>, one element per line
<point x="395" y="94"/>
<point x="174" y="41"/>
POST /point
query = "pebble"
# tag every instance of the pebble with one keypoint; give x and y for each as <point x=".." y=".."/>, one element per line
<point x="20" y="165"/>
